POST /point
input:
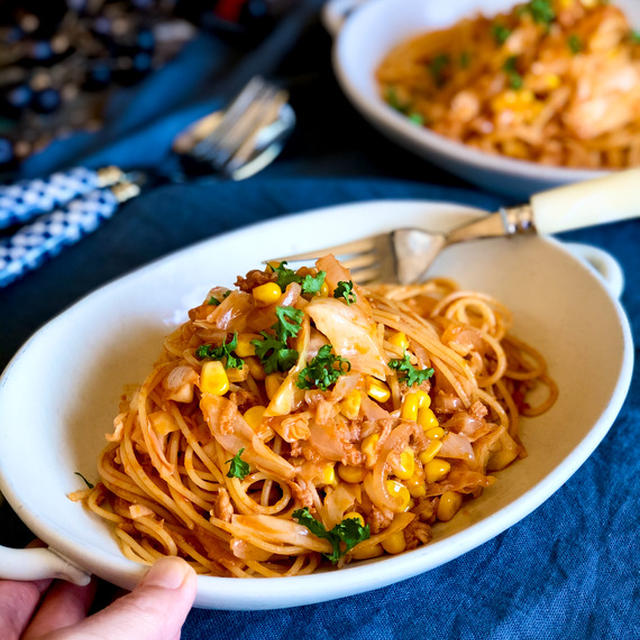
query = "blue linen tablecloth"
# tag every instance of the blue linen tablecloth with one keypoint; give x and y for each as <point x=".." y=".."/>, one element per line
<point x="571" y="569"/>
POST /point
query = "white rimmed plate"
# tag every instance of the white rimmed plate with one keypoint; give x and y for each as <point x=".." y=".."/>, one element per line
<point x="59" y="394"/>
<point x="373" y="29"/>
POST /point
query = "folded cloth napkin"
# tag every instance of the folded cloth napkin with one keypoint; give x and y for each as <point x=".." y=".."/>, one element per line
<point x="142" y="121"/>
<point x="571" y="569"/>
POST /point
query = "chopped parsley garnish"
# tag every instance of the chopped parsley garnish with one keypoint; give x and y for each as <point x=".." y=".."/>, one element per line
<point x="500" y="33"/>
<point x="574" y="43"/>
<point x="285" y="276"/>
<point x="289" y="321"/>
<point x="313" y="284"/>
<point x="238" y="467"/>
<point x="465" y="59"/>
<point x="349" y="533"/>
<point x="215" y="302"/>
<point x="437" y="67"/>
<point x="345" y="290"/>
<point x="322" y="371"/>
<point x="273" y="351"/>
<point x="416" y="118"/>
<point x="310" y="284"/>
<point x="541" y="11"/>
<point x="223" y="352"/>
<point x="509" y="67"/>
<point x="391" y="98"/>
<point x="412" y="375"/>
<point x="89" y="484"/>
<point x="635" y="36"/>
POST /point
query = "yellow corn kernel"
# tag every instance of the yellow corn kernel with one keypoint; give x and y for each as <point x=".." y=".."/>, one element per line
<point x="427" y="419"/>
<point x="162" y="423"/>
<point x="255" y="368"/>
<point x="410" y="407"/>
<point x="552" y="80"/>
<point x="213" y="378"/>
<point x="267" y="293"/>
<point x="368" y="448"/>
<point x="449" y="505"/>
<point x="377" y="390"/>
<point x="350" y="406"/>
<point x="431" y="451"/>
<point x="351" y="474"/>
<point x="272" y="384"/>
<point x="401" y="495"/>
<point x="395" y="543"/>
<point x="416" y="486"/>
<point x="254" y="415"/>
<point x="404" y="465"/>
<point x="436" y="470"/>
<point x="238" y="375"/>
<point x="436" y="433"/>
<point x="354" y="515"/>
<point x="324" y="290"/>
<point x="425" y="399"/>
<point x="245" y="348"/>
<point x="400" y="340"/>
<point x="328" y="475"/>
<point x="364" y="553"/>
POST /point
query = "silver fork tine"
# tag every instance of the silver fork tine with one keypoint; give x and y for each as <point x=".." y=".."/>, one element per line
<point x="357" y="246"/>
<point x="235" y="111"/>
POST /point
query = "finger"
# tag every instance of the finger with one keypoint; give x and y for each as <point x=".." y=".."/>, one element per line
<point x="154" y="610"/>
<point x="64" y="605"/>
<point x="18" y="601"/>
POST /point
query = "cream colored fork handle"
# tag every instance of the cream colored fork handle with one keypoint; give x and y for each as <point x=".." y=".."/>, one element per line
<point x="584" y="204"/>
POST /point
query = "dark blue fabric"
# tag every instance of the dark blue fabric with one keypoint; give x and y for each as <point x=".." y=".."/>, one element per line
<point x="569" y="570"/>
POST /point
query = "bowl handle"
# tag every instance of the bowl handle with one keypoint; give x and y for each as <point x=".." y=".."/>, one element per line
<point x="603" y="263"/>
<point x="335" y="12"/>
<point x="37" y="564"/>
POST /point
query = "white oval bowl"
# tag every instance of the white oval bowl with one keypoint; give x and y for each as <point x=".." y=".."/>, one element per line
<point x="372" y="30"/>
<point x="59" y="394"/>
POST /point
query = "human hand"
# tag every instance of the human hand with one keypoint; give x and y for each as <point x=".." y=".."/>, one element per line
<point x="154" y="610"/>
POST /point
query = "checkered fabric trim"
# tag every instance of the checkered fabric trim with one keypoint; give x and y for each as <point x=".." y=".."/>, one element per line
<point x="24" y="200"/>
<point x="50" y="233"/>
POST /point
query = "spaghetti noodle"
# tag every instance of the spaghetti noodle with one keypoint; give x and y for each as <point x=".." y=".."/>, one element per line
<point x="552" y="81"/>
<point x="300" y="419"/>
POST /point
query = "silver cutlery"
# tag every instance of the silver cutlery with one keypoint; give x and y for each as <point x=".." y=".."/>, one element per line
<point x="404" y="255"/>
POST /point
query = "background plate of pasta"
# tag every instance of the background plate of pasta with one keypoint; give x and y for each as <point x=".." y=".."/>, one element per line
<point x="517" y="97"/>
<point x="281" y="423"/>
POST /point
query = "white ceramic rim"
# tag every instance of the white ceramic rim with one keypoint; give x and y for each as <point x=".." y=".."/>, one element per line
<point x="378" y="111"/>
<point x="292" y="591"/>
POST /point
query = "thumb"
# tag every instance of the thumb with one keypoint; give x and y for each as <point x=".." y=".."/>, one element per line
<point x="154" y="610"/>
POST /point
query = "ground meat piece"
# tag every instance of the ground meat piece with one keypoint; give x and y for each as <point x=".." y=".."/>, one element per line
<point x="243" y="399"/>
<point x="254" y="279"/>
<point x="301" y="493"/>
<point x="417" y="533"/>
<point x="223" y="509"/>
<point x="379" y="519"/>
<point x="352" y="456"/>
<point x="426" y="510"/>
<point x="478" y="410"/>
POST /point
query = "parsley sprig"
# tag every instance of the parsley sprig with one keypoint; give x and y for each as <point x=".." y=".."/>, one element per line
<point x="500" y="33"/>
<point x="90" y="485"/>
<point x="310" y="284"/>
<point x="437" y="67"/>
<point x="323" y="370"/>
<point x="574" y="43"/>
<point x="541" y="11"/>
<point x="412" y="375"/>
<point x="238" y="468"/>
<point x="273" y="351"/>
<point x="349" y="533"/>
<point x="345" y="290"/>
<point x="510" y="68"/>
<point x="215" y="302"/>
<point x="223" y="352"/>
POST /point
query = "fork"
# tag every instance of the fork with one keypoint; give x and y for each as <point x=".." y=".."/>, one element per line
<point x="404" y="255"/>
